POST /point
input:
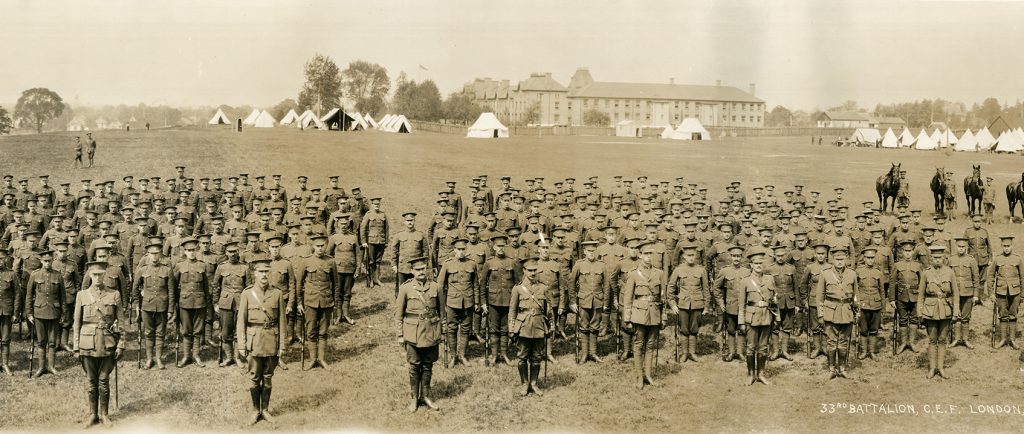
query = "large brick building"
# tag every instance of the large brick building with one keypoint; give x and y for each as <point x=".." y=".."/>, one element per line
<point x="646" y="103"/>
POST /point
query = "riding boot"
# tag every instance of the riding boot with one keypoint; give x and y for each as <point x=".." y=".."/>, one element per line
<point x="535" y="379"/>
<point x="414" y="388"/>
<point x="830" y="356"/>
<point x="649" y="369"/>
<point x="965" y="331"/>
<point x="159" y="350"/>
<point x="522" y="372"/>
<point x="593" y="349"/>
<point x="775" y="346"/>
<point x="1011" y="334"/>
<point x="692" y="352"/>
<point x="750" y="369"/>
<point x="940" y="360"/>
<point x="5" y="357"/>
<point x="844" y="357"/>
<point x="862" y="348"/>
<point x="104" y="401"/>
<point x="730" y="348"/>
<point x="627" y="345"/>
<point x="94" y="407"/>
<point x="196" y="349"/>
<point x="1001" y="333"/>
<point x="784" y="346"/>
<point x="226" y="359"/>
<point x="427" y="372"/>
<point x="321" y="353"/>
<point x="760" y="361"/>
<point x="463" y="340"/>
<point x="265" y="405"/>
<point x="346" y="312"/>
<point x="254" y="410"/>
<point x="186" y="353"/>
<point x="503" y="348"/>
<point x="148" y="363"/>
<point x="931" y="360"/>
<point x="524" y="377"/>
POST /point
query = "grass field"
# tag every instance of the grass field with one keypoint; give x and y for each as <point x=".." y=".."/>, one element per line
<point x="366" y="389"/>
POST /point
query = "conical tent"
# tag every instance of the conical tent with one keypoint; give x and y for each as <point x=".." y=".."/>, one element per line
<point x="937" y="138"/>
<point x="401" y="125"/>
<point x="264" y="120"/>
<point x="358" y="124"/>
<point x="384" y="122"/>
<point x="337" y="119"/>
<point x="890" y="140"/>
<point x="691" y="129"/>
<point x="668" y="132"/>
<point x="949" y="137"/>
<point x="985" y="139"/>
<point x="1019" y="134"/>
<point x="290" y="118"/>
<point x="866" y="136"/>
<point x="966" y="143"/>
<point x="251" y="119"/>
<point x="1008" y="143"/>
<point x="219" y="118"/>
<point x="924" y="142"/>
<point x="906" y="139"/>
<point x="309" y="120"/>
<point x="487" y="126"/>
<point x="369" y="121"/>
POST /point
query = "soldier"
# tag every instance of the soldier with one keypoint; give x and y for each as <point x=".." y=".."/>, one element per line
<point x="97" y="340"/>
<point x="550" y="277"/>
<point x="757" y="311"/>
<point x="979" y="247"/>
<point x="727" y="299"/>
<point x="906" y="275"/>
<point x="689" y="297"/>
<point x="409" y="243"/>
<point x="643" y="296"/>
<point x="343" y="246"/>
<point x="229" y="279"/>
<point x="193" y="292"/>
<point x="156" y="303"/>
<point x="1005" y="276"/>
<point x="938" y="302"/>
<point x="837" y="304"/>
<point x="590" y="295"/>
<point x="969" y="283"/>
<point x="988" y="200"/>
<point x="260" y="331"/>
<point x="10" y="307"/>
<point x="497" y="277"/>
<point x="529" y="317"/>
<point x="811" y="275"/>
<point x="872" y="284"/>
<point x="419" y="317"/>
<point x="316" y="280"/>
<point x="787" y="298"/>
<point x="457" y="283"/>
<point x="373" y="233"/>
<point x="45" y="308"/>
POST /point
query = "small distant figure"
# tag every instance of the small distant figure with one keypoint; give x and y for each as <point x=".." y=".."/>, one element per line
<point x="988" y="199"/>
<point x="819" y="140"/>
<point x="128" y="128"/>
<point x="91" y="142"/>
<point x="78" y="153"/>
<point x="812" y="140"/>
<point x="147" y="126"/>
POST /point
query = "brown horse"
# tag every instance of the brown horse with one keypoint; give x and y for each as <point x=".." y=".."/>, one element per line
<point x="1015" y="194"/>
<point x="974" y="189"/>
<point x="938" y="185"/>
<point x="887" y="186"/>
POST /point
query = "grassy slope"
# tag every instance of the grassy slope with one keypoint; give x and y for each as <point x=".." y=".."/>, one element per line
<point x="366" y="385"/>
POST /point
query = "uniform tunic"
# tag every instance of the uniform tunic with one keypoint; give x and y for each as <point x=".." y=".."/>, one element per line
<point x="938" y="294"/>
<point x="260" y="327"/>
<point x="1006" y="276"/>
<point x="419" y="324"/>
<point x="689" y="292"/>
<point x="969" y="281"/>
<point x="590" y="288"/>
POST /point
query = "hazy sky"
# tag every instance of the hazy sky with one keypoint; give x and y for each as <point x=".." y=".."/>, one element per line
<point x="800" y="54"/>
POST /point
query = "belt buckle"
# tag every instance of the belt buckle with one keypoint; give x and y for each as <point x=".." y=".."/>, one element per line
<point x="762" y="304"/>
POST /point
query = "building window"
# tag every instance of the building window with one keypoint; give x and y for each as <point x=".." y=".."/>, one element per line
<point x="758" y="119"/>
<point x="677" y="117"/>
<point x="743" y="118"/>
<point x="648" y="117"/>
<point x="677" y="104"/>
<point x="556" y="118"/>
<point x="734" y="118"/>
<point x="556" y="105"/>
<point x="735" y="106"/>
<point x="616" y="103"/>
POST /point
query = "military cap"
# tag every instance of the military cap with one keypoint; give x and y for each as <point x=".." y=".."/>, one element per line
<point x="906" y="243"/>
<point x="756" y="254"/>
<point x="936" y="248"/>
<point x="460" y="243"/>
<point x="499" y="240"/>
<point x="733" y="248"/>
<point x="189" y="243"/>
<point x="275" y="241"/>
<point x="261" y="265"/>
<point x="589" y="244"/>
<point x="231" y="247"/>
<point x="47" y="254"/>
<point x="151" y="245"/>
<point x="541" y="242"/>
<point x="113" y="235"/>
<point x="512" y="229"/>
<point x="531" y="264"/>
<point x="961" y="239"/>
<point x="1006" y="237"/>
<point x="821" y="244"/>
<point x="96" y="266"/>
<point x="869" y="251"/>
<point x="559" y="231"/>
<point x="419" y="263"/>
<point x="840" y="251"/>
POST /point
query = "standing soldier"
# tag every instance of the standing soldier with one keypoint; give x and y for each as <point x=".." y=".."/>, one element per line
<point x="871" y="296"/>
<point x="643" y="296"/>
<point x="589" y="295"/>
<point x="727" y="298"/>
<point x="550" y="275"/>
<point x="69" y="275"/>
<point x="787" y="298"/>
<point x="906" y="275"/>
<point x="808" y="284"/>
<point x="408" y="243"/>
<point x="757" y="300"/>
<point x="156" y="301"/>
<point x="419" y="317"/>
<point x="497" y="277"/>
<point x="969" y="283"/>
<point x="260" y="330"/>
<point x="457" y="284"/>
<point x="938" y="302"/>
<point x="45" y="307"/>
<point x="193" y="291"/>
<point x="343" y="246"/>
<point x="529" y="316"/>
<point x="10" y="307"/>
<point x="373" y="233"/>
<point x="979" y="247"/>
<point x="1006" y="277"/>
<point x="228" y="282"/>
<point x="689" y="297"/>
<point x="97" y="340"/>
<point x="316" y="278"/>
<point x="91" y="143"/>
<point x="988" y="200"/>
<point x="78" y="153"/>
<point x="836" y="300"/>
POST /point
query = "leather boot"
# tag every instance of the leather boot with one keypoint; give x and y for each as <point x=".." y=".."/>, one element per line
<point x="42" y="362"/>
<point x="346" y="312"/>
<point x="761" y="361"/>
<point x="524" y="377"/>
<point x="560" y="327"/>
<point x="691" y="354"/>
<point x="603" y="320"/>
<point x="227" y="359"/>
<point x="503" y="350"/>
<point x="1001" y="335"/>
<point x="638" y="366"/>
<point x="186" y="353"/>
<point x="862" y="348"/>
<point x="683" y="347"/>
<point x="1011" y="334"/>
<point x="209" y="335"/>
<point x="254" y="409"/>
<point x="547" y="352"/>
<point x="911" y="337"/>
<point x="584" y="347"/>
<point x="265" y="406"/>
<point x="649" y="368"/>
<point x="627" y="346"/>
<point x="234" y="353"/>
<point x="775" y="346"/>
<point x="741" y="346"/>
<point x="463" y="340"/>
<point x="965" y="331"/>
<point x="425" y="377"/>
<point x="104" y="402"/>
<point x="784" y="346"/>
<point x="931" y="361"/>
<point x="831" y="358"/>
<point x="535" y="379"/>
<point x="730" y="350"/>
<point x="956" y="334"/>
<point x="94" y="408"/>
<point x="414" y="388"/>
<point x="750" y="369"/>
<point x="159" y="350"/>
<point x="51" y="357"/>
<point x="819" y="342"/>
<point x="940" y="360"/>
<point x="290" y="330"/>
<point x="195" y="354"/>
<point x="841" y="362"/>
<point x="491" y="358"/>
<point x="321" y="353"/>
<point x="63" y="344"/>
<point x="522" y="372"/>
<point x="5" y="358"/>
<point x="593" y="349"/>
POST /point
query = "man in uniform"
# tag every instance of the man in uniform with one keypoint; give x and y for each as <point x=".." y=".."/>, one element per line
<point x="969" y="282"/>
<point x="787" y="298"/>
<point x="344" y="247"/>
<point x="316" y="280"/>
<point x="757" y="305"/>
<point x="409" y="243"/>
<point x="906" y="275"/>
<point x="419" y="318"/>
<point x="91" y="144"/>
<point x="497" y="277"/>
<point x="689" y="297"/>
<point x="45" y="307"/>
<point x="260" y="331"/>
<point x="643" y="296"/>
<point x="373" y="233"/>
<point x="938" y="303"/>
<point x="836" y="300"/>
<point x="550" y="276"/>
<point x="156" y="303"/>
<point x="10" y="307"/>
<point x="979" y="247"/>
<point x="529" y="316"/>
<point x="229" y="279"/>
<point x="1006" y="277"/>
<point x="871" y="296"/>
<point x="727" y="298"/>
<point x="589" y="294"/>
<point x="457" y="283"/>
<point x="97" y="340"/>
<point x="808" y="282"/>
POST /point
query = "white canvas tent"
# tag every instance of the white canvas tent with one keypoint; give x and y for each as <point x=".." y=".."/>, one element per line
<point x="924" y="142"/>
<point x="906" y="139"/>
<point x="1008" y="143"/>
<point x="264" y="120"/>
<point x="668" y="132"/>
<point x="251" y="119"/>
<point x="889" y="140"/>
<point x="487" y="126"/>
<point x="219" y="118"/>
<point x="369" y="121"/>
<point x="985" y="139"/>
<point x="309" y="120"/>
<point x="358" y="124"/>
<point x="384" y="122"/>
<point x="401" y="125"/>
<point x="691" y="129"/>
<point x="866" y="136"/>
<point x="290" y="118"/>
<point x="937" y="138"/>
<point x="627" y="128"/>
<point x="1019" y="134"/>
<point x="966" y="143"/>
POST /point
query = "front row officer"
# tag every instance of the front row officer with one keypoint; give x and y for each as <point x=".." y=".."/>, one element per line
<point x="642" y="301"/>
<point x="419" y="330"/>
<point x="260" y="332"/>
<point x="97" y="339"/>
<point x="528" y="318"/>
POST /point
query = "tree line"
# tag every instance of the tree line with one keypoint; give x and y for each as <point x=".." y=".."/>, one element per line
<point x="917" y="114"/>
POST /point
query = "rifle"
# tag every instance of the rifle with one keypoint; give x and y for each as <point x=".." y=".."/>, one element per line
<point x="302" y="351"/>
<point x="140" y="344"/>
<point x="853" y="335"/>
<point x="995" y="320"/>
<point x="177" y="341"/>
<point x="487" y="339"/>
<point x="675" y="340"/>
<point x="896" y="330"/>
<point x="807" y="337"/>
<point x="576" y="335"/>
<point x="657" y="345"/>
<point x="32" y="355"/>
<point x="117" y="387"/>
<point x="398" y="274"/>
<point x="546" y="331"/>
<point x="444" y="349"/>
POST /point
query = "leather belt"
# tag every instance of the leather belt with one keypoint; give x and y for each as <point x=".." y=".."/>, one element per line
<point x="757" y="304"/>
<point x="839" y="300"/>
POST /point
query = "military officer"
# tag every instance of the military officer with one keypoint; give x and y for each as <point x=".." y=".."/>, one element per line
<point x="871" y="296"/>
<point x="979" y="248"/>
<point x="643" y="297"/>
<point x="785" y="280"/>
<point x="373" y="233"/>
<point x="344" y="247"/>
<point x="757" y="304"/>
<point x="590" y="294"/>
<point x="154" y="292"/>
<point x="193" y="292"/>
<point x="836" y="300"/>
<point x="689" y="297"/>
<point x="316" y="280"/>
<point x="969" y="282"/>
<point x="1005" y="276"/>
<point x="727" y="298"/>
<point x="938" y="303"/>
<point x="97" y="340"/>
<point x="260" y="331"/>
<point x="457" y="284"/>
<point x="45" y="307"/>
<point x="550" y="277"/>
<point x="409" y="243"/>
<point x="229" y="279"/>
<point x="529" y="317"/>
<point x="10" y="307"/>
<point x="419" y="317"/>
<point x="497" y="277"/>
<point x="906" y="275"/>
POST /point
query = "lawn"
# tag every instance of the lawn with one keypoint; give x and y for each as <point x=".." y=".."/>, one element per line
<point x="366" y="386"/>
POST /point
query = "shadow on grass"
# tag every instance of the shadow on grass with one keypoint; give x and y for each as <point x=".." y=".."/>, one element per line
<point x="372" y="309"/>
<point x="346" y="352"/>
<point x="161" y="402"/>
<point x="307" y="402"/>
<point x="452" y="387"/>
<point x="559" y="378"/>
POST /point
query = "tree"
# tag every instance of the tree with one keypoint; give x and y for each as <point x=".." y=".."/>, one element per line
<point x="282" y="108"/>
<point x="460" y="107"/>
<point x="595" y="118"/>
<point x="5" y="122"/>
<point x="989" y="109"/>
<point x="38" y="105"/>
<point x="322" y="89"/>
<point x="368" y="84"/>
<point x="779" y="117"/>
<point x="532" y="114"/>
<point x="418" y="101"/>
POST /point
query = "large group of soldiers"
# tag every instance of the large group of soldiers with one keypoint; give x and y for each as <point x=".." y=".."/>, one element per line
<point x="502" y="266"/>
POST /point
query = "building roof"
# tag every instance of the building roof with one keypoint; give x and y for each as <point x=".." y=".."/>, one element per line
<point x="1004" y="122"/>
<point x="541" y="82"/>
<point x="845" y="116"/>
<point x="889" y="120"/>
<point x="605" y="89"/>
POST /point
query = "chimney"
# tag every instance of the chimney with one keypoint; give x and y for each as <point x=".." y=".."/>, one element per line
<point x="671" y="80"/>
<point x="718" y="83"/>
<point x="752" y="87"/>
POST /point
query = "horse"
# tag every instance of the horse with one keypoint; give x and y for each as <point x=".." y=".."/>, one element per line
<point x="1015" y="194"/>
<point x="974" y="189"/>
<point x="887" y="186"/>
<point x="939" y="191"/>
